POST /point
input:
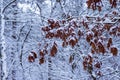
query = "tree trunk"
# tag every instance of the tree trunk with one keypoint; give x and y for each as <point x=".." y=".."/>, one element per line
<point x="3" y="54"/>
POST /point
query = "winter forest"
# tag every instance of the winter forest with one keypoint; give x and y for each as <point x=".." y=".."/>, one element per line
<point x="59" y="39"/>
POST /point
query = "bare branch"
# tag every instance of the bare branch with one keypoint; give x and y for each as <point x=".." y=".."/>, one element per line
<point x="23" y="45"/>
<point x="8" y="5"/>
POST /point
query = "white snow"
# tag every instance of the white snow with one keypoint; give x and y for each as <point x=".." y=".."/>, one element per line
<point x="60" y="68"/>
<point x="4" y="64"/>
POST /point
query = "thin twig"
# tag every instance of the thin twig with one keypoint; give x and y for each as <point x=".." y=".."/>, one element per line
<point x="40" y="13"/>
<point x="23" y="45"/>
<point x="8" y="5"/>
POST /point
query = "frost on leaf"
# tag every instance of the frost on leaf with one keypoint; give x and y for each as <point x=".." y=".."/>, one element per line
<point x="107" y="27"/>
<point x="89" y="37"/>
<point x="98" y="65"/>
<point x="72" y="42"/>
<point x="87" y="62"/>
<point x="31" y="58"/>
<point x="64" y="44"/>
<point x="92" y="4"/>
<point x="34" y="54"/>
<point x="46" y="28"/>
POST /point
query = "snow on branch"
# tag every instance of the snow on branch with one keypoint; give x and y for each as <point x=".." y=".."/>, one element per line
<point x="8" y="5"/>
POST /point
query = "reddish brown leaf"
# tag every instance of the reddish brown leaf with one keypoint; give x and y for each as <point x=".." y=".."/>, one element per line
<point x="114" y="51"/>
<point x="86" y="25"/>
<point x="92" y="51"/>
<point x="89" y="37"/>
<point x="64" y="44"/>
<point x="98" y="65"/>
<point x="99" y="73"/>
<point x="90" y="59"/>
<point x="57" y="24"/>
<point x="111" y="1"/>
<point x="49" y="35"/>
<point x="75" y="24"/>
<point x="72" y="42"/>
<point x="46" y="29"/>
<point x="42" y="53"/>
<point x="92" y="44"/>
<point x="41" y="60"/>
<point x="96" y="40"/>
<point x="63" y="21"/>
<point x="107" y="27"/>
<point x="45" y="51"/>
<point x="93" y="7"/>
<point x="99" y="8"/>
<point x="71" y="59"/>
<point x="101" y="48"/>
<point x="114" y="3"/>
<point x="53" y="50"/>
<point x="31" y="58"/>
<point x="50" y="21"/>
<point x="109" y="42"/>
<point x="115" y="13"/>
<point x="53" y="25"/>
<point x="80" y="33"/>
<point x="84" y="65"/>
<point x="89" y="3"/>
<point x="34" y="54"/>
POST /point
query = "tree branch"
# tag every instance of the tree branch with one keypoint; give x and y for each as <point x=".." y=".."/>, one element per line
<point x="8" y="5"/>
<point x="23" y="45"/>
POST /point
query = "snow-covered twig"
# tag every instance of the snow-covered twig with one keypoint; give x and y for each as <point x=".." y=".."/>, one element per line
<point x="4" y="63"/>
<point x="8" y="5"/>
<point x="116" y="71"/>
<point x="21" y="55"/>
